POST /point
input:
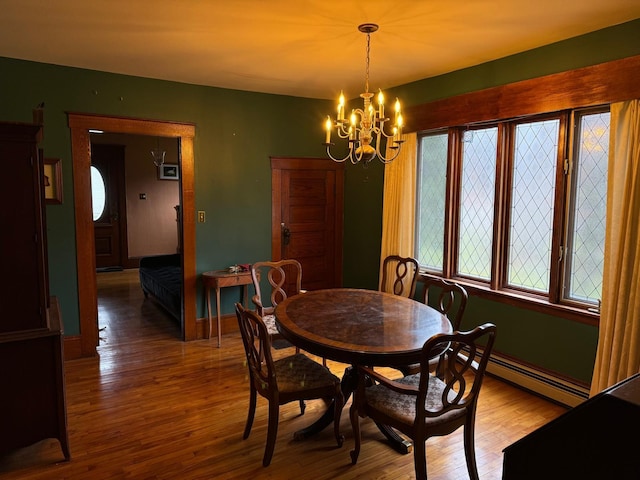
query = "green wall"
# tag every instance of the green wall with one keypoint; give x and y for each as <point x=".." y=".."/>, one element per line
<point x="237" y="132"/>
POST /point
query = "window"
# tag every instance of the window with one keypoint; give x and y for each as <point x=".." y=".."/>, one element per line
<point x="432" y="173"/>
<point x="527" y="212"/>
<point x="535" y="154"/>
<point x="97" y="193"/>
<point x="477" y="202"/>
<point x="585" y="238"/>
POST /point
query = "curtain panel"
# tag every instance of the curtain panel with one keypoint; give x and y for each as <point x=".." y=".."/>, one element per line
<point x="618" y="353"/>
<point x="399" y="202"/>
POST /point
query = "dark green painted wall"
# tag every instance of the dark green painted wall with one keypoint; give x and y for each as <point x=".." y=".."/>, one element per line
<point x="237" y="131"/>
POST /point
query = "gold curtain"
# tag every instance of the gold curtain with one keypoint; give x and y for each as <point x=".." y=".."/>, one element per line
<point x="618" y="354"/>
<point x="399" y="202"/>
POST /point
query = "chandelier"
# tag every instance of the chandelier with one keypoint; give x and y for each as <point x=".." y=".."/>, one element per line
<point x="365" y="128"/>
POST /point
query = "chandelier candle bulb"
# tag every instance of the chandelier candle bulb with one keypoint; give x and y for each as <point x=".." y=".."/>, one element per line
<point x="328" y="126"/>
<point x="381" y="104"/>
<point x="341" y="107"/>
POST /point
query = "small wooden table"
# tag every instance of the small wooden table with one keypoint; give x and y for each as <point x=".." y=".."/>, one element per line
<point x="219" y="279"/>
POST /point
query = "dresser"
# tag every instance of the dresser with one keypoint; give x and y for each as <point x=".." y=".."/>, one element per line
<point x="32" y="402"/>
<point x="597" y="440"/>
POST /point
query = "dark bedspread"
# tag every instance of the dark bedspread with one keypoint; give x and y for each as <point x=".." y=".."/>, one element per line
<point x="161" y="276"/>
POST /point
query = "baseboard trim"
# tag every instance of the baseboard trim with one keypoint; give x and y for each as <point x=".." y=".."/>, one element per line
<point x="72" y="347"/>
<point x="549" y="386"/>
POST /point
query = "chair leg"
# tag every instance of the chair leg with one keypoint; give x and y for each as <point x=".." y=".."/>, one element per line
<point x="355" y="426"/>
<point x="251" y="413"/>
<point x="420" y="459"/>
<point x="272" y="432"/>
<point x="470" y="450"/>
<point x="338" y="406"/>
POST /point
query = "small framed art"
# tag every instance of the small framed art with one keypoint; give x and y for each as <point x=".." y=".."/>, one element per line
<point x="53" y="181"/>
<point x="168" y="171"/>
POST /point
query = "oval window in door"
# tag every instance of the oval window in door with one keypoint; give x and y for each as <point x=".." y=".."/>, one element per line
<point x="97" y="193"/>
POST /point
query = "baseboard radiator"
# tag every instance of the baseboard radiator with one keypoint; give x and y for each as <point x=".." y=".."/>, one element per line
<point x="544" y="384"/>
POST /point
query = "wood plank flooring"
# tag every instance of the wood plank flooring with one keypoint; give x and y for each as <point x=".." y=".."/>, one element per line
<point x="154" y="407"/>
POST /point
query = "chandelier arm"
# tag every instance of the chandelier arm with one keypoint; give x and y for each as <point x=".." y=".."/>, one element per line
<point x="387" y="135"/>
<point x="342" y="132"/>
<point x="386" y="160"/>
<point x="340" y="160"/>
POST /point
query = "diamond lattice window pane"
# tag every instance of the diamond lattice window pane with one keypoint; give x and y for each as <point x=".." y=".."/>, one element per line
<point x="432" y="177"/>
<point x="531" y="228"/>
<point x="476" y="202"/>
<point x="589" y="196"/>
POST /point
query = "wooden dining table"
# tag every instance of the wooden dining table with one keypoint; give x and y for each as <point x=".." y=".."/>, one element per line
<point x="359" y="327"/>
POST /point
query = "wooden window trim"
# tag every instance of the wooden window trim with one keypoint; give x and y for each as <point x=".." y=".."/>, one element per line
<point x="604" y="83"/>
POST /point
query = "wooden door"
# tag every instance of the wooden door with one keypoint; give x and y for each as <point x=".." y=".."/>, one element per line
<point x="307" y="212"/>
<point x="109" y="230"/>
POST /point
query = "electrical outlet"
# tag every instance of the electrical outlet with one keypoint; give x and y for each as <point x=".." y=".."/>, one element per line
<point x="200" y="216"/>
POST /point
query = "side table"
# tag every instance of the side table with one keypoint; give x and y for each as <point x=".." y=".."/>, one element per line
<point x="219" y="279"/>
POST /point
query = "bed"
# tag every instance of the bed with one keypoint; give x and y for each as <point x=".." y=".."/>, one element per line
<point x="161" y="277"/>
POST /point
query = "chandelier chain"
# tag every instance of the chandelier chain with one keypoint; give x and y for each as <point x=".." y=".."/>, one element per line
<point x="366" y="78"/>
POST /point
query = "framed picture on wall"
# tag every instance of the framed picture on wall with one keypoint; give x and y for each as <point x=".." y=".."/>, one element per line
<point x="168" y="171"/>
<point x="52" y="181"/>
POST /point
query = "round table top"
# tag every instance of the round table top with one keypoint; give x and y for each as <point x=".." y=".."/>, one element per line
<point x="359" y="326"/>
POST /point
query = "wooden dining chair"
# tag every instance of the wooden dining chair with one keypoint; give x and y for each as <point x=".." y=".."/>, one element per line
<point x="422" y="405"/>
<point x="449" y="298"/>
<point x="284" y="278"/>
<point x="445" y="296"/>
<point x="291" y="378"/>
<point x="399" y="275"/>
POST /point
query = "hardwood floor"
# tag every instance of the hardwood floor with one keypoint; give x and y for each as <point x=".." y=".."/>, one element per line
<point x="154" y="407"/>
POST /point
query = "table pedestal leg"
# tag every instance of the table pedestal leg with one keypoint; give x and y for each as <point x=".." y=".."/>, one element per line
<point x="348" y="385"/>
<point x="398" y="443"/>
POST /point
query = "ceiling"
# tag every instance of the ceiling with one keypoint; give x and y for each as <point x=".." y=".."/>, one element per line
<point x="307" y="48"/>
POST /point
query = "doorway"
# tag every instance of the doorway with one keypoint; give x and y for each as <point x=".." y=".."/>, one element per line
<point x="109" y="212"/>
<point x="80" y="124"/>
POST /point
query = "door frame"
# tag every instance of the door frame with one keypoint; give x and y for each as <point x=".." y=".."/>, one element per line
<point x="80" y="124"/>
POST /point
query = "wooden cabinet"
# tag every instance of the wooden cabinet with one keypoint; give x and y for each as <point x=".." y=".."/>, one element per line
<point x="32" y="403"/>
<point x="591" y="441"/>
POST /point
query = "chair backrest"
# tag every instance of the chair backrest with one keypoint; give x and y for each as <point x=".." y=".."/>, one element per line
<point x="399" y="275"/>
<point x="257" y="347"/>
<point x="463" y="366"/>
<point x="445" y="296"/>
<point x="284" y="277"/>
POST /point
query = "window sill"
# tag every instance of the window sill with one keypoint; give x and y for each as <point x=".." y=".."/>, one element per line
<point x="528" y="302"/>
